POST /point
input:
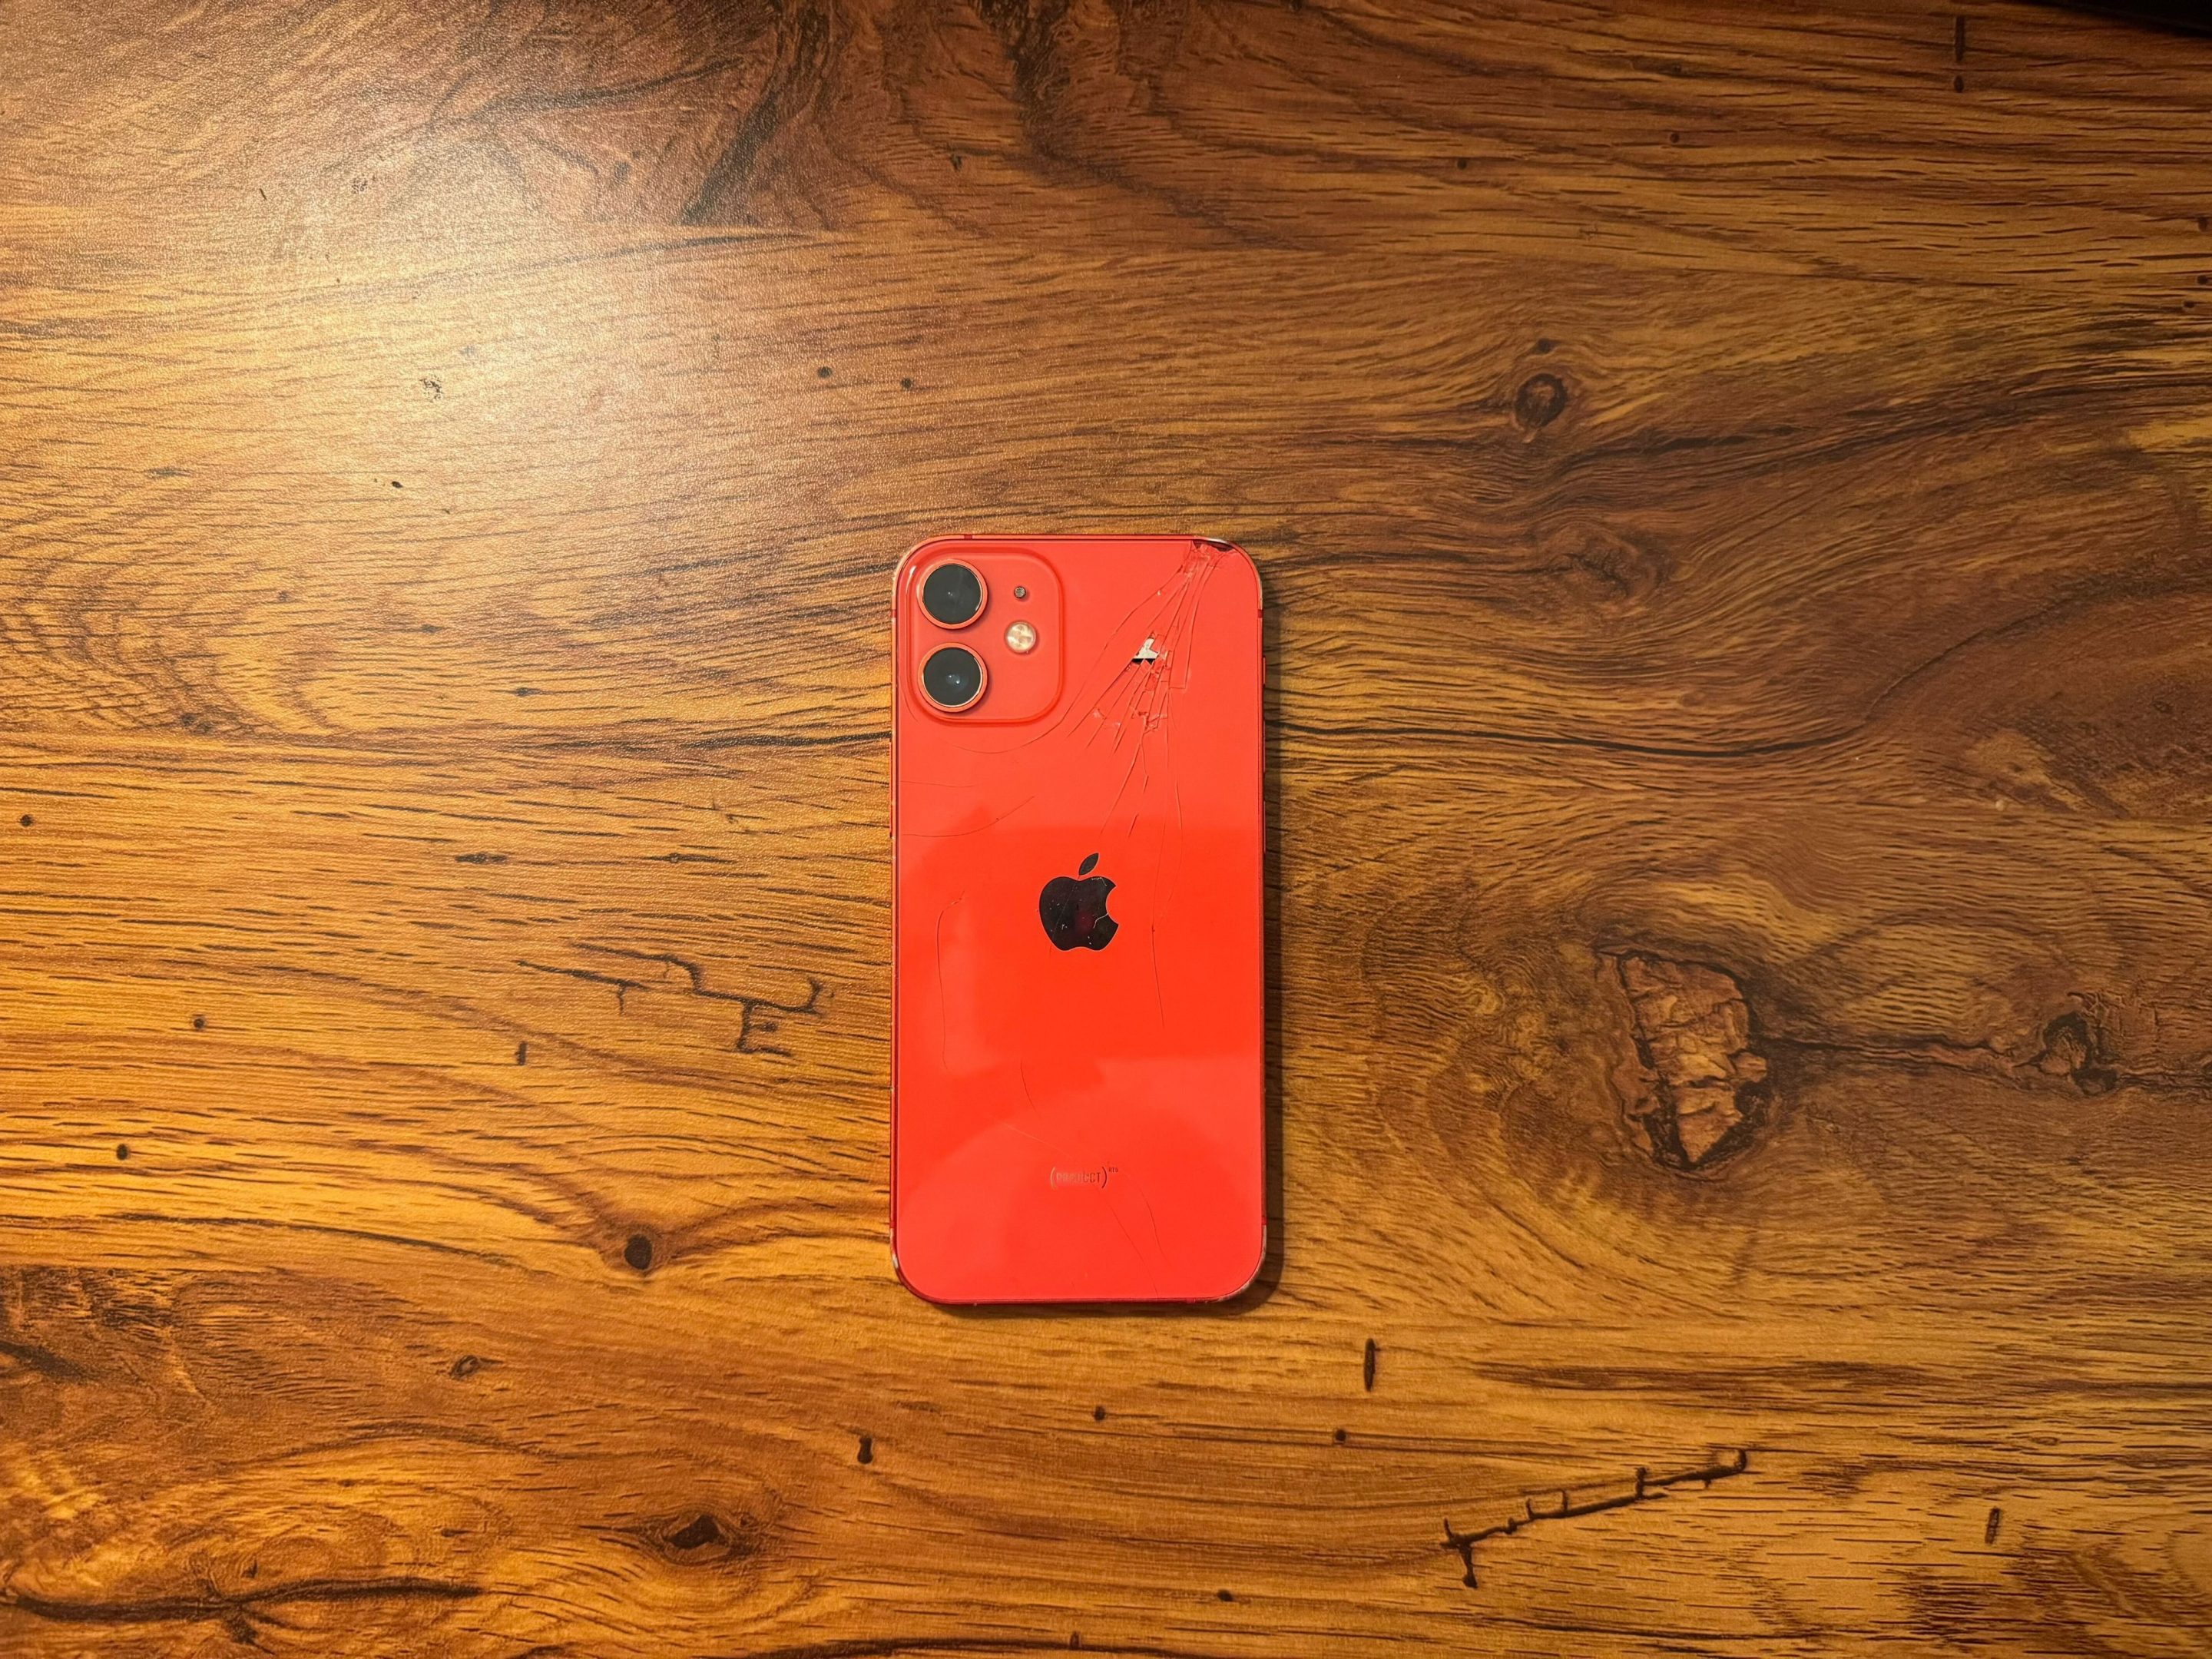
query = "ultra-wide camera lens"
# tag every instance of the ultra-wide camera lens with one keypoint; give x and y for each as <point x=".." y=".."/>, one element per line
<point x="953" y="595"/>
<point x="952" y="678"/>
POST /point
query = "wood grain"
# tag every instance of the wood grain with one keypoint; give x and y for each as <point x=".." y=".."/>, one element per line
<point x="1731" y="485"/>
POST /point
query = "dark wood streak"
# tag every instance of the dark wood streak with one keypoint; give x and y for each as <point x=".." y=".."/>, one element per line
<point x="55" y="1368"/>
<point x="223" y="1606"/>
<point x="889" y="1647"/>
<point x="794" y="78"/>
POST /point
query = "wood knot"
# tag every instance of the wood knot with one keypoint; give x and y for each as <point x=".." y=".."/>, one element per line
<point x="700" y="1538"/>
<point x="2074" y="1046"/>
<point x="1608" y="566"/>
<point x="637" y="1250"/>
<point x="1542" y="400"/>
<point x="1697" y="1090"/>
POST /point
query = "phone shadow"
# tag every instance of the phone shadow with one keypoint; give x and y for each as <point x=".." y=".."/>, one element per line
<point x="1270" y="1275"/>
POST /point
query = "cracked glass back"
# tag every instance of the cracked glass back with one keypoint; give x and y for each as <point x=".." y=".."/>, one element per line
<point x="1077" y="1067"/>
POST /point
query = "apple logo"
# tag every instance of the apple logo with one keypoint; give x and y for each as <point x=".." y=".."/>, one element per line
<point x="1074" y="912"/>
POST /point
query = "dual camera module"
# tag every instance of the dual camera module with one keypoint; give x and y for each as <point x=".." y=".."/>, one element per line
<point x="953" y="596"/>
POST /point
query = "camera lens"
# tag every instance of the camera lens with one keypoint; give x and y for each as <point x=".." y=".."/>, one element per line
<point x="952" y="678"/>
<point x="953" y="595"/>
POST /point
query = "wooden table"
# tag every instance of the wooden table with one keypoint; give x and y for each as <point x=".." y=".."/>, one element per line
<point x="1733" y="492"/>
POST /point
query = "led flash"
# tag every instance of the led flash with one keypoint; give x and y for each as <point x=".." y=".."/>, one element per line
<point x="1021" y="638"/>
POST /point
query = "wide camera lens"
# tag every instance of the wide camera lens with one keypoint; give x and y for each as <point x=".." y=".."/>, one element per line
<point x="952" y="678"/>
<point x="953" y="595"/>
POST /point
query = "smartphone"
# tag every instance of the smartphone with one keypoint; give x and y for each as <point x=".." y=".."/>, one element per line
<point x="1078" y="1065"/>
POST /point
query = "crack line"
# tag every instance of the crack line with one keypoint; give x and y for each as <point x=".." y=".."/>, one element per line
<point x="1647" y="1490"/>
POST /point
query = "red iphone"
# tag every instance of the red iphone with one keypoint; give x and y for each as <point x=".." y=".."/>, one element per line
<point x="1077" y="1068"/>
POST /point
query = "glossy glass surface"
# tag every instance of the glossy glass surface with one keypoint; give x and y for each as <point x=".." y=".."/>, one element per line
<point x="1078" y="1049"/>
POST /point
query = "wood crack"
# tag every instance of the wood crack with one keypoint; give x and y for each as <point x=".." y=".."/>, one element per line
<point x="758" y="1016"/>
<point x="1647" y="1489"/>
